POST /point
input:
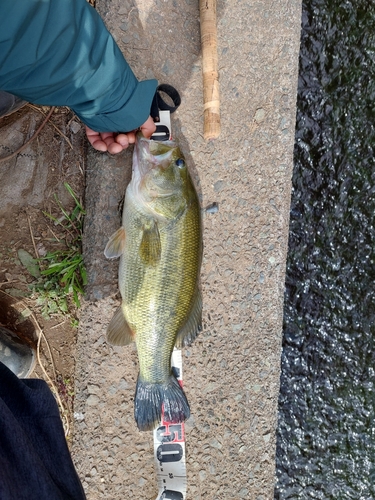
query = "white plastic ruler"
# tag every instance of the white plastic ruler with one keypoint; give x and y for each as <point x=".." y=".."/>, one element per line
<point x="169" y="450"/>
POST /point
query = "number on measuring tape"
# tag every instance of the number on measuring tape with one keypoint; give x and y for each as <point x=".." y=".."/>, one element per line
<point x="170" y="432"/>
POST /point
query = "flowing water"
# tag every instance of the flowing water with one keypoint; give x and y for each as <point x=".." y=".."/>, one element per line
<point x="326" y="434"/>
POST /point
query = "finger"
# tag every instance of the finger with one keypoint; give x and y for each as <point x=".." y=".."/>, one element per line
<point x="114" y="148"/>
<point x="90" y="133"/>
<point x="123" y="140"/>
<point x="131" y="137"/>
<point x="107" y="137"/>
<point x="95" y="140"/>
<point x="92" y="136"/>
<point x="99" y="146"/>
<point x="148" y="128"/>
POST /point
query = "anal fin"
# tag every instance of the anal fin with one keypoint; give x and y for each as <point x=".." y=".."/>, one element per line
<point x="119" y="331"/>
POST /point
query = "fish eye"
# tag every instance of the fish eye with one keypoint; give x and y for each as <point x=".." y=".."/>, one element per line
<point x="180" y="163"/>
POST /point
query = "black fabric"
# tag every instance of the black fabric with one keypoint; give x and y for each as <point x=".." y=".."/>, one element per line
<point x="158" y="103"/>
<point x="35" y="463"/>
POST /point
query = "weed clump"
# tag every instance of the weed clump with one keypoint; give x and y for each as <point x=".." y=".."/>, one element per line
<point x="63" y="273"/>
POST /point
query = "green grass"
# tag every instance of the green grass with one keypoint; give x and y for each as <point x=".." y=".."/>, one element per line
<point x="63" y="274"/>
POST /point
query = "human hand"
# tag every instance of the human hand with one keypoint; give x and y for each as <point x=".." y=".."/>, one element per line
<point x="115" y="143"/>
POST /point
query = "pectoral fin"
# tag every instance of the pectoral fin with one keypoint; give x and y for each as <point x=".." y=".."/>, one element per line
<point x="150" y="247"/>
<point x="119" y="331"/>
<point x="116" y="244"/>
<point x="193" y="324"/>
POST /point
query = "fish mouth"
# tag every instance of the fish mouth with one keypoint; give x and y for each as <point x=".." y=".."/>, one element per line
<point x="149" y="153"/>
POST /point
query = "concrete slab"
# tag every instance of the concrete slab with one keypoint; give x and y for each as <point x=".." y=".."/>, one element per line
<point x="231" y="372"/>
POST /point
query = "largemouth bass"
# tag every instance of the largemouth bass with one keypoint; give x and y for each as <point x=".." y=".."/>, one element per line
<point x="160" y="248"/>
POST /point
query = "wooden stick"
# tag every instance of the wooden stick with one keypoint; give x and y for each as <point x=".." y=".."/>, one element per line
<point x="211" y="97"/>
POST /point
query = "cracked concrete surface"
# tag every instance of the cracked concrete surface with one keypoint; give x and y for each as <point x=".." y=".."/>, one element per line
<point x="231" y="372"/>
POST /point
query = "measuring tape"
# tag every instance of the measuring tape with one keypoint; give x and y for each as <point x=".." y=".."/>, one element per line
<point x="169" y="450"/>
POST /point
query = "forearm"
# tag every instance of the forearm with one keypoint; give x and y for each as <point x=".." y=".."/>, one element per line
<point x="58" y="52"/>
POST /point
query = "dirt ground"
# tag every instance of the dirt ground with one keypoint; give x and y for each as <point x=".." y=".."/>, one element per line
<point x="30" y="183"/>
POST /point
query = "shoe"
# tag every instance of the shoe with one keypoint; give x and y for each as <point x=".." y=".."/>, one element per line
<point x="15" y="354"/>
<point x="9" y="103"/>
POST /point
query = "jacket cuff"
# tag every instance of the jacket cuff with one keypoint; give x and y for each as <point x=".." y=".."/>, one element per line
<point x="130" y="116"/>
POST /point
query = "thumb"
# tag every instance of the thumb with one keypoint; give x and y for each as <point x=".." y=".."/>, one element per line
<point x="148" y="128"/>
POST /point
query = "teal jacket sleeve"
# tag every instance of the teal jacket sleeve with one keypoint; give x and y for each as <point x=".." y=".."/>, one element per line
<point x="58" y="52"/>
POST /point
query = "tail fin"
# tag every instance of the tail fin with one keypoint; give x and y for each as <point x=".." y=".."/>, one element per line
<point x="150" y="398"/>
